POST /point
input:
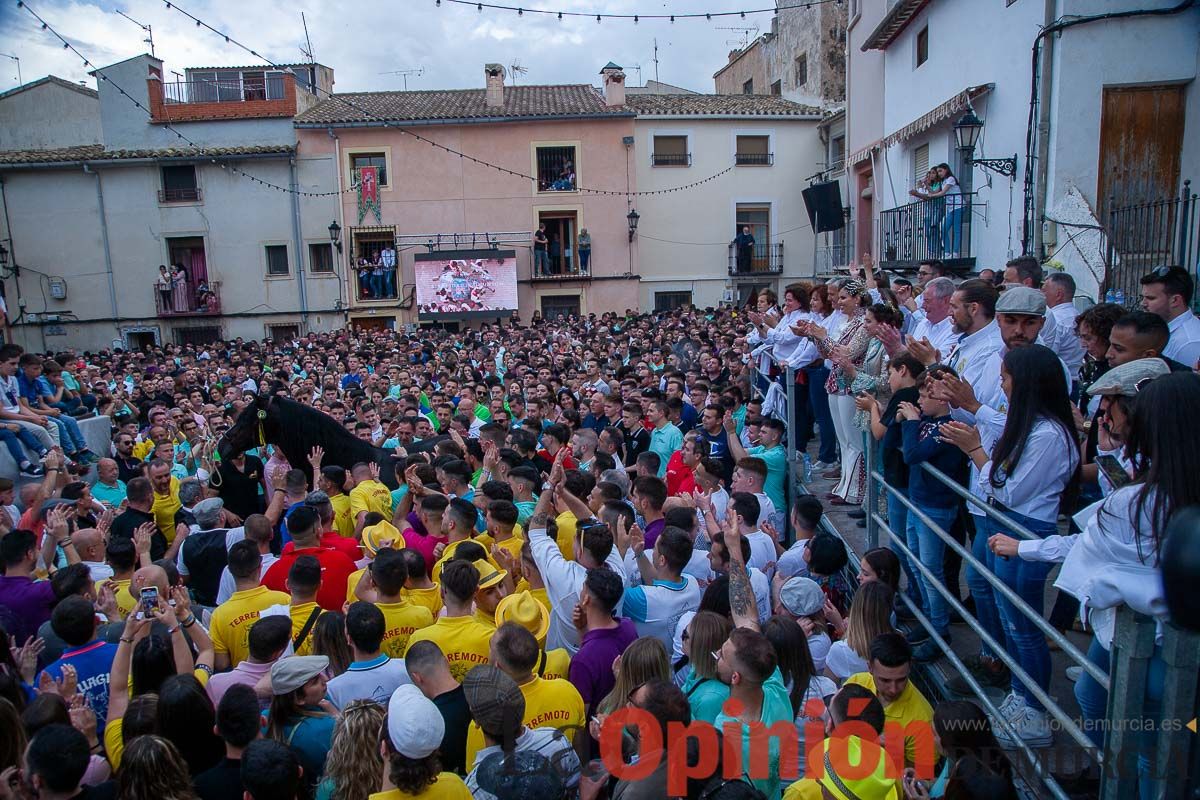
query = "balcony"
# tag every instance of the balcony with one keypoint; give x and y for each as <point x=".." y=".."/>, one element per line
<point x="568" y="273"/>
<point x="765" y="260"/>
<point x="191" y="301"/>
<point x="754" y="159"/>
<point x="925" y="230"/>
<point x="672" y="159"/>
<point x="185" y="101"/>
<point x="182" y="195"/>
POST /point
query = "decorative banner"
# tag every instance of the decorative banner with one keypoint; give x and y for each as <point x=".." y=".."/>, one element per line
<point x="368" y="193"/>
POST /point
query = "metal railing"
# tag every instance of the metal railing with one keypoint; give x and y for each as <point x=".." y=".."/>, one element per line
<point x="766" y="258"/>
<point x="1143" y="236"/>
<point x="671" y="160"/>
<point x="194" y="301"/>
<point x="754" y="159"/>
<point x="183" y="195"/>
<point x="939" y="228"/>
<point x="1132" y="648"/>
<point x="224" y="91"/>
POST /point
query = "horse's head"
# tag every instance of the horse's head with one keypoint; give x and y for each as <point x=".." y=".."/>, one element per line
<point x="246" y="431"/>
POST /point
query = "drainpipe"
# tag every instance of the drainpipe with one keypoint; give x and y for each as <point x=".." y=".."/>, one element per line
<point x="344" y="277"/>
<point x="299" y="242"/>
<point x="108" y="266"/>
<point x="1042" y="179"/>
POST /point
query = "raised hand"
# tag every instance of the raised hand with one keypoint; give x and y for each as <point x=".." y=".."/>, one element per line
<point x="26" y="657"/>
<point x="142" y="537"/>
<point x="922" y="350"/>
<point x="955" y="391"/>
<point x="64" y="686"/>
<point x="637" y="540"/>
<point x="315" y="456"/>
<point x="964" y="437"/>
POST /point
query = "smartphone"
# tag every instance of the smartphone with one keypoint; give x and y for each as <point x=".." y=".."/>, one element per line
<point x="1113" y="470"/>
<point x="148" y="601"/>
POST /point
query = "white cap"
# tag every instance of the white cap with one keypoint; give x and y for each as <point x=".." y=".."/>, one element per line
<point x="415" y="725"/>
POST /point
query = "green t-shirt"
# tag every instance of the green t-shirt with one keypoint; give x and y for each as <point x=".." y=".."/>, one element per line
<point x="776" y="459"/>
<point x="776" y="708"/>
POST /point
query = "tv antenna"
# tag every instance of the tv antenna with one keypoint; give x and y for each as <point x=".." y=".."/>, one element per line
<point x="516" y="69"/>
<point x="748" y="35"/>
<point x="307" y="50"/>
<point x="149" y="31"/>
<point x="655" y="59"/>
<point x="638" y="67"/>
<point x="18" y="60"/>
<point x="404" y="73"/>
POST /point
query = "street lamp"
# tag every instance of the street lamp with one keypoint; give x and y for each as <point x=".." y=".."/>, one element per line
<point x="633" y="218"/>
<point x="966" y="133"/>
<point x="335" y="235"/>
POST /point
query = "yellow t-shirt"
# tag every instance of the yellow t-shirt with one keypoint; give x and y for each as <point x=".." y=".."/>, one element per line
<point x="548" y="704"/>
<point x="125" y="600"/>
<point x="512" y="544"/>
<point x="343" y="520"/>
<point x="910" y="707"/>
<point x="463" y="639"/>
<point x="370" y="496"/>
<point x="300" y="613"/>
<point x="231" y="621"/>
<point x="352" y="583"/>
<point x="566" y="534"/>
<point x="448" y="786"/>
<point x="485" y="618"/>
<point x="430" y="597"/>
<point x="542" y="595"/>
<point x="401" y="621"/>
<point x="558" y="664"/>
<point x="164" y="508"/>
<point x="481" y="539"/>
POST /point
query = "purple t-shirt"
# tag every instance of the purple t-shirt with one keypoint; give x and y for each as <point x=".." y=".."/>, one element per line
<point x="24" y="605"/>
<point x="653" y="531"/>
<point x="591" y="668"/>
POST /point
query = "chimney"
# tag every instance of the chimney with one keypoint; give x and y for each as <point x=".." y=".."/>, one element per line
<point x="495" y="85"/>
<point x="614" y="85"/>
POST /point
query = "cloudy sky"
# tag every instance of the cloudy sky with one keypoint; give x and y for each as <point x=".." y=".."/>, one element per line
<point x="361" y="39"/>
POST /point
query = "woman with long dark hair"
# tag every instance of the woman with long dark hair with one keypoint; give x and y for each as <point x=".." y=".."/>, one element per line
<point x="300" y="716"/>
<point x="799" y="673"/>
<point x="186" y="718"/>
<point x="971" y="755"/>
<point x="1028" y="472"/>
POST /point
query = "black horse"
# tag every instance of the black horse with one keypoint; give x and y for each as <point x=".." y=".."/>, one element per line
<point x="296" y="428"/>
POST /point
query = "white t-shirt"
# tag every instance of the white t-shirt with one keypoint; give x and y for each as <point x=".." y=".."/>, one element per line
<point x="792" y="562"/>
<point x="369" y="680"/>
<point x="843" y="662"/>
<point x="762" y="552"/>
<point x="818" y="646"/>
<point x="9" y="394"/>
<point x="656" y="609"/>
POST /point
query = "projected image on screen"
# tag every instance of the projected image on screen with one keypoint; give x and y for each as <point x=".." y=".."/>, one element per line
<point x="466" y="282"/>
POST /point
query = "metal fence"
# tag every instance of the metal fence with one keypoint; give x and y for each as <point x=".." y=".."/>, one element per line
<point x="1132" y="647"/>
<point x="766" y="258"/>
<point x="1143" y="236"/>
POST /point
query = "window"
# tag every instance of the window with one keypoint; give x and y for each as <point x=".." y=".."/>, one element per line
<point x="837" y="152"/>
<point x="320" y="258"/>
<point x="800" y="70"/>
<point x="179" y="184"/>
<point x="669" y="301"/>
<point x="748" y="87"/>
<point x="379" y="160"/>
<point x="920" y="162"/>
<point x="205" y="334"/>
<point x="556" y="169"/>
<point x="671" y="151"/>
<point x="277" y="259"/>
<point x="922" y="45"/>
<point x="753" y="151"/>
<point x="564" y="304"/>
<point x="283" y="333"/>
<point x="562" y="231"/>
<point x="777" y="88"/>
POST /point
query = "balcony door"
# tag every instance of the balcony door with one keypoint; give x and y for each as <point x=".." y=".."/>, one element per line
<point x="561" y="230"/>
<point x="757" y="216"/>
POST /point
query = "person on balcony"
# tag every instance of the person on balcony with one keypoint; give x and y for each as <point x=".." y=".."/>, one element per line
<point x="934" y="210"/>
<point x="952" y="222"/>
<point x="744" y="242"/>
<point x="585" y="250"/>
<point x="179" y="289"/>
<point x="162" y="285"/>
<point x="388" y="259"/>
<point x="541" y="260"/>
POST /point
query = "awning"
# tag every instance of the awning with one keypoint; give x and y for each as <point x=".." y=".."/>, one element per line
<point x="861" y="155"/>
<point x="952" y="107"/>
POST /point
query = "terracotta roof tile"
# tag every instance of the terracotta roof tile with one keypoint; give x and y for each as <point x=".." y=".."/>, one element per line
<point x="567" y="100"/>
<point x="96" y="152"/>
<point x="748" y="105"/>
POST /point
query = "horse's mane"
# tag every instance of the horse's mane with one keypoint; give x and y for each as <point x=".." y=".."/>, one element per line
<point x="301" y="428"/>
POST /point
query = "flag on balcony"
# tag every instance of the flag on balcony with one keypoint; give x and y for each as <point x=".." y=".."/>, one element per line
<point x="368" y="193"/>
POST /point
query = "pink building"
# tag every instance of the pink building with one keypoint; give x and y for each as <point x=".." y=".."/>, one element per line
<point x="560" y="140"/>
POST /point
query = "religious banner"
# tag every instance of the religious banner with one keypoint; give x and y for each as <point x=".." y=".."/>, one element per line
<point x="368" y="193"/>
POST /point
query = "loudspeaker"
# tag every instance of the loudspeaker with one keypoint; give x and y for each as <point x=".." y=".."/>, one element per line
<point x="824" y="204"/>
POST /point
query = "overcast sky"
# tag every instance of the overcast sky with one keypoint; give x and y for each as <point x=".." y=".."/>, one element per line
<point x="363" y="38"/>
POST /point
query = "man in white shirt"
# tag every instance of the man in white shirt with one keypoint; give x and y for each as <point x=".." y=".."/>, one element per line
<point x="744" y="507"/>
<point x="666" y="592"/>
<point x="1167" y="292"/>
<point x="937" y="327"/>
<point x="371" y="675"/>
<point x="1059" y="291"/>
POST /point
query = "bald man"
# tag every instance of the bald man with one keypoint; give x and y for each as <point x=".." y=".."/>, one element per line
<point x="90" y="544"/>
<point x="108" y="488"/>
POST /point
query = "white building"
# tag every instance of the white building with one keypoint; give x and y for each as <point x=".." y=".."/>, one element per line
<point x="1115" y="116"/>
<point x="767" y="145"/>
<point x="89" y="218"/>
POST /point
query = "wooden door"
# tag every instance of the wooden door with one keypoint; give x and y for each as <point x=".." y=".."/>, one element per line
<point x="1141" y="140"/>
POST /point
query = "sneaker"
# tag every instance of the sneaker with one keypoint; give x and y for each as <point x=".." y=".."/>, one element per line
<point x="927" y="651"/>
<point x="1030" y="726"/>
<point x="857" y="513"/>
<point x="32" y="471"/>
<point x="1074" y="673"/>
<point x="1011" y="704"/>
<point x="823" y="465"/>
<point x="987" y="671"/>
<point x="916" y="634"/>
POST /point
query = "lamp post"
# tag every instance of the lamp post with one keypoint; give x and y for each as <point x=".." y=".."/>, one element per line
<point x="633" y="218"/>
<point x="966" y="134"/>
<point x="335" y="235"/>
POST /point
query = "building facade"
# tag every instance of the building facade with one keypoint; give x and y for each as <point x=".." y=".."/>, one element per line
<point x="205" y="181"/>
<point x="759" y="148"/>
<point x="557" y="155"/>
<point x="802" y="58"/>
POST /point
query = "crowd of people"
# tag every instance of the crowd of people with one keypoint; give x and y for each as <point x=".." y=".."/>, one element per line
<point x="581" y="540"/>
